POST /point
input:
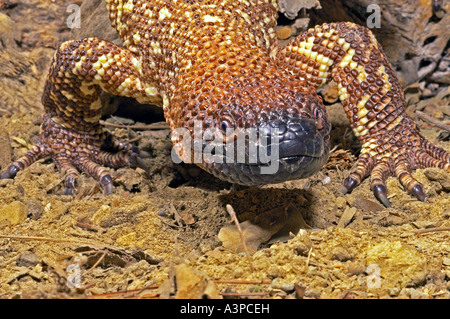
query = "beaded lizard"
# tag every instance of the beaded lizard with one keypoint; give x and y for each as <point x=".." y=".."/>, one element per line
<point x="218" y="62"/>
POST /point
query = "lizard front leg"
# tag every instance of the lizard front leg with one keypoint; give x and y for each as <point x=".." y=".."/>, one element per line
<point x="373" y="100"/>
<point x="71" y="133"/>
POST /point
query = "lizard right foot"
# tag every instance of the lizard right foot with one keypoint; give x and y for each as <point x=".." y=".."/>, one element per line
<point x="74" y="151"/>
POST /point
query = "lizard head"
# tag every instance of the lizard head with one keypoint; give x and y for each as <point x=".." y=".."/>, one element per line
<point x="253" y="130"/>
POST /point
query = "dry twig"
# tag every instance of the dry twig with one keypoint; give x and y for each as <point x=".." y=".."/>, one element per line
<point x="430" y="230"/>
<point x="232" y="213"/>
<point x="42" y="238"/>
<point x="433" y="121"/>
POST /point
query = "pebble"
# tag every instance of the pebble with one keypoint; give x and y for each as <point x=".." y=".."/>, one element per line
<point x="368" y="205"/>
<point x="355" y="269"/>
<point x="27" y="259"/>
<point x="446" y="261"/>
<point x="394" y="292"/>
<point x="302" y="249"/>
<point x="13" y="213"/>
<point x="279" y="283"/>
<point x="34" y="209"/>
<point x="326" y="180"/>
<point x="346" y="217"/>
<point x="340" y="254"/>
<point x="436" y="175"/>
<point x="340" y="202"/>
<point x="283" y="32"/>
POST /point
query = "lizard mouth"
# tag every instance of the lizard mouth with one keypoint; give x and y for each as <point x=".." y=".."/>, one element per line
<point x="290" y="151"/>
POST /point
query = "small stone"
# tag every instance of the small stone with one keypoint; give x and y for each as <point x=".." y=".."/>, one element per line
<point x="355" y="269"/>
<point x="347" y="217"/>
<point x="279" y="283"/>
<point x="128" y="239"/>
<point x="283" y="32"/>
<point x="13" y="213"/>
<point x="368" y="205"/>
<point x="27" y="259"/>
<point x="331" y="93"/>
<point x="302" y="249"/>
<point x="446" y="261"/>
<point x="34" y="209"/>
<point x="426" y="224"/>
<point x="340" y="202"/>
<point x="436" y="174"/>
<point x="340" y="254"/>
<point x="193" y="284"/>
<point x="394" y="292"/>
<point x="417" y="294"/>
<point x="313" y="294"/>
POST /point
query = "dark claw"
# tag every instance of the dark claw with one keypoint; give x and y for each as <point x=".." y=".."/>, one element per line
<point x="141" y="164"/>
<point x="380" y="192"/>
<point x="348" y="185"/>
<point x="135" y="149"/>
<point x="418" y="192"/>
<point x="70" y="184"/>
<point x="10" y="172"/>
<point x="68" y="191"/>
<point x="107" y="184"/>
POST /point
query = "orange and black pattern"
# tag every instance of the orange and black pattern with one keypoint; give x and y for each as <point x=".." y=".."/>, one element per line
<point x="216" y="61"/>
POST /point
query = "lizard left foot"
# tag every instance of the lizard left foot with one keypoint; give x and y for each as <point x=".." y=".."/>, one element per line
<point x="79" y="151"/>
<point x="396" y="152"/>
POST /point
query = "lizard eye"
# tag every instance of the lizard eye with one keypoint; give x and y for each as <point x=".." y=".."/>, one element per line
<point x="224" y="125"/>
<point x="317" y="113"/>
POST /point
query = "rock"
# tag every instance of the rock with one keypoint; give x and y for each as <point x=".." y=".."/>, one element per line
<point x="400" y="266"/>
<point x="446" y="261"/>
<point x="340" y="202"/>
<point x="283" y="284"/>
<point x="346" y="217"/>
<point x="128" y="239"/>
<point x="192" y="284"/>
<point x="302" y="250"/>
<point x="13" y="213"/>
<point x="34" y="209"/>
<point x="330" y="93"/>
<point x="438" y="175"/>
<point x="367" y="205"/>
<point x="27" y="259"/>
<point x="283" y="32"/>
<point x="355" y="269"/>
<point x="254" y="235"/>
<point x="341" y="254"/>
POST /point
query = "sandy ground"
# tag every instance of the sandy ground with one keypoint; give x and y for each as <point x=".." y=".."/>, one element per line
<point x="305" y="239"/>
